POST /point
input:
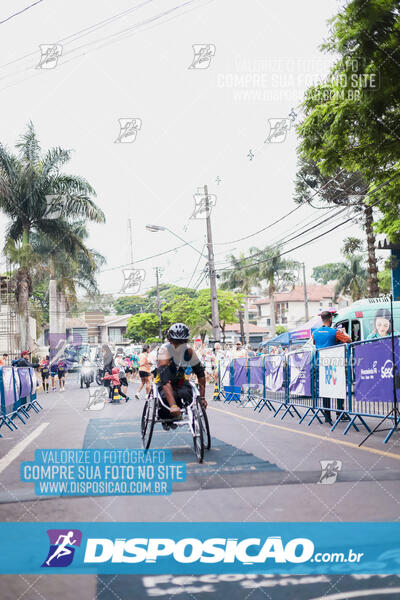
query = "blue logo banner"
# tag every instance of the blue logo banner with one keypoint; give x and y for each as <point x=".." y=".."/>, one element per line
<point x="191" y="548"/>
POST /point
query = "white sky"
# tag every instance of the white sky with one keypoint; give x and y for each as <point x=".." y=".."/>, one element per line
<point x="197" y="125"/>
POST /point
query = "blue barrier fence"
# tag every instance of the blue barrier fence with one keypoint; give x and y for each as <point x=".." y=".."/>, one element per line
<point x="17" y="395"/>
<point x="355" y="381"/>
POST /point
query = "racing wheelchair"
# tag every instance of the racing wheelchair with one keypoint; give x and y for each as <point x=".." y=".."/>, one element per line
<point x="194" y="417"/>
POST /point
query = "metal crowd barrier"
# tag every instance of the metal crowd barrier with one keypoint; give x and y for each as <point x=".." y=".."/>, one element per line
<point x="17" y="395"/>
<point x="355" y="381"/>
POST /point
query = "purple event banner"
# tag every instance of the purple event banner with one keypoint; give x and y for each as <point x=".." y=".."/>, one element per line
<point x="240" y="371"/>
<point x="373" y="370"/>
<point x="300" y="373"/>
<point x="256" y="370"/>
<point x="8" y="387"/>
<point x="25" y="380"/>
<point x="274" y="373"/>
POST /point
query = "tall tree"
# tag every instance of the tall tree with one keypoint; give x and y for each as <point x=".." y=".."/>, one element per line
<point x="277" y="272"/>
<point x="352" y="279"/>
<point x="328" y="272"/>
<point x="351" y="121"/>
<point x="31" y="183"/>
<point x="241" y="276"/>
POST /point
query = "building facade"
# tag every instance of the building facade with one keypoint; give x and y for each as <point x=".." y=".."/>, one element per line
<point x="290" y="306"/>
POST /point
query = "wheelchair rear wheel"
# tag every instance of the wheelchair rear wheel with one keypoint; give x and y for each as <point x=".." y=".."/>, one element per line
<point x="148" y="420"/>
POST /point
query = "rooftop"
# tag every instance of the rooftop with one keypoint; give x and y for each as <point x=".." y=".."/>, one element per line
<point x="315" y="293"/>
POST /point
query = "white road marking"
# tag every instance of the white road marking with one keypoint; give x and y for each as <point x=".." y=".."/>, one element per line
<point x="20" y="447"/>
<point x="359" y="594"/>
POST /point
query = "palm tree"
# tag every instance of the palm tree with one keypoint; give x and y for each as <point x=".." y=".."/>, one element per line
<point x="27" y="181"/>
<point x="68" y="265"/>
<point x="276" y="271"/>
<point x="353" y="279"/>
<point x="241" y="277"/>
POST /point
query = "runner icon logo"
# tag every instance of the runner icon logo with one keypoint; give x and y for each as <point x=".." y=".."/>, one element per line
<point x="62" y="547"/>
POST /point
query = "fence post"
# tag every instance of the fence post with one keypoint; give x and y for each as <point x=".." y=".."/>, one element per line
<point x="3" y="405"/>
<point x="349" y="371"/>
<point x="264" y="386"/>
<point x="287" y="378"/>
<point x="248" y="378"/>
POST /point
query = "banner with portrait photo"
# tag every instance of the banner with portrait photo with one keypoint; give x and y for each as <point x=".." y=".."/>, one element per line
<point x="373" y="370"/>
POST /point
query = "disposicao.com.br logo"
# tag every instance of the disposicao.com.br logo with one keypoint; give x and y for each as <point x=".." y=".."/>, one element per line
<point x="248" y="551"/>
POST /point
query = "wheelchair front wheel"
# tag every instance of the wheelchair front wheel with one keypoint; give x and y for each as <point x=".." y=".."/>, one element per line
<point x="205" y="426"/>
<point x="148" y="420"/>
<point x="198" y="440"/>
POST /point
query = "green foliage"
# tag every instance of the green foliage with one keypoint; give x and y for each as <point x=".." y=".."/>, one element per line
<point x="195" y="312"/>
<point x="168" y="292"/>
<point x="280" y="329"/>
<point x="385" y="278"/>
<point x="153" y="340"/>
<point x="36" y="241"/>
<point x="351" y="120"/>
<point x="229" y="304"/>
<point x="328" y="272"/>
<point x="130" y="305"/>
<point x="178" y="310"/>
<point x="142" y="326"/>
<point x="96" y="302"/>
<point x="352" y="245"/>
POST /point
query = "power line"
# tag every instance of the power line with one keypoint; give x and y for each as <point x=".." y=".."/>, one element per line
<point x="284" y="216"/>
<point x="197" y="265"/>
<point x="318" y="236"/>
<point x="143" y="259"/>
<point x="20" y="12"/>
<point x="321" y="223"/>
<point x="150" y="21"/>
<point x="95" y="26"/>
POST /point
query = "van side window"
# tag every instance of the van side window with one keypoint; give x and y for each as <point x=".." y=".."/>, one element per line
<point x="344" y="325"/>
<point x="355" y="331"/>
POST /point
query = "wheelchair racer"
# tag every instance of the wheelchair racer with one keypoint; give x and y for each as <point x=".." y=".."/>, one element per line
<point x="172" y="361"/>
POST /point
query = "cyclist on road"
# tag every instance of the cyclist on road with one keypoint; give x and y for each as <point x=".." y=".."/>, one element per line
<point x="173" y="359"/>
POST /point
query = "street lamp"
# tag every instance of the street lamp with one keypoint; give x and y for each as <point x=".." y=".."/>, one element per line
<point x="155" y="228"/>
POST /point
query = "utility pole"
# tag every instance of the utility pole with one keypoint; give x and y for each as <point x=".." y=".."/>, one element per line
<point x="211" y="268"/>
<point x="158" y="303"/>
<point x="305" y="292"/>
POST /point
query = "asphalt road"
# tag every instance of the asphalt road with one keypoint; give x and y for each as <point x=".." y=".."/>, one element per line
<point x="258" y="469"/>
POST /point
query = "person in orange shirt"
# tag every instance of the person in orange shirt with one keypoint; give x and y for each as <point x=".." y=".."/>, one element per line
<point x="3" y="360"/>
<point x="145" y="367"/>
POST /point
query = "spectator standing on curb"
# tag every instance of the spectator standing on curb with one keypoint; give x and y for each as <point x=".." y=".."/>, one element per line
<point x="239" y="351"/>
<point x="24" y="362"/>
<point x="326" y="336"/>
